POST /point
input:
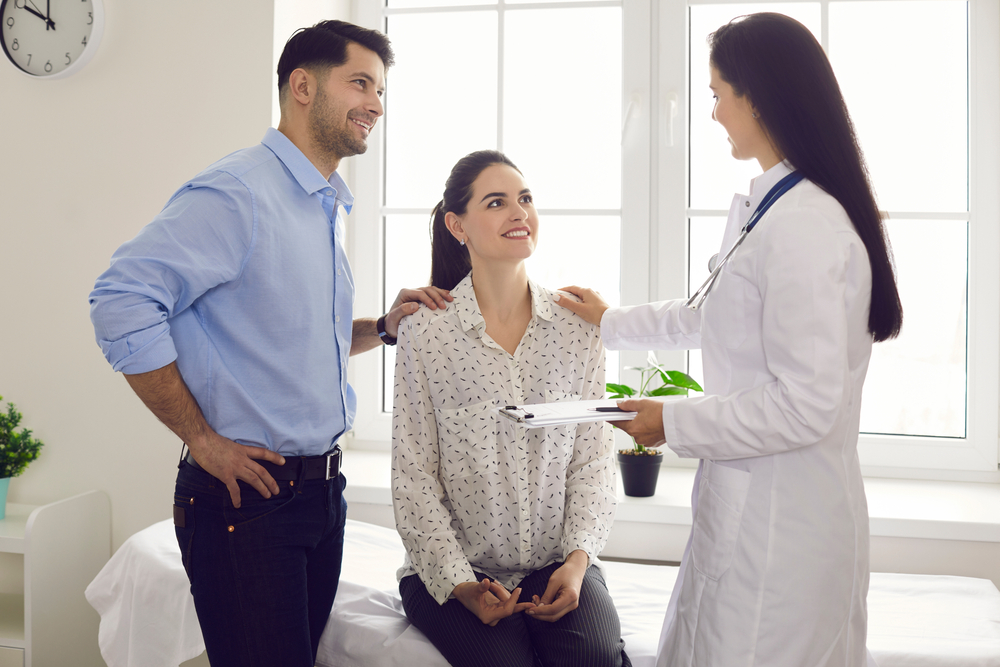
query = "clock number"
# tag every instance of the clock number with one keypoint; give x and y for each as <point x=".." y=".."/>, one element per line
<point x="84" y="42"/>
<point x="48" y="66"/>
<point x="15" y="46"/>
<point x="68" y="59"/>
<point x="91" y="17"/>
<point x="29" y="59"/>
<point x="19" y="4"/>
<point x="10" y="21"/>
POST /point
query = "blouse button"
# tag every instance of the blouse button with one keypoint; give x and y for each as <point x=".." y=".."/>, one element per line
<point x="747" y="203"/>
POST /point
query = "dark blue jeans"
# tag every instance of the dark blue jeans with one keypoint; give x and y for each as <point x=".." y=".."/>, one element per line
<point x="263" y="576"/>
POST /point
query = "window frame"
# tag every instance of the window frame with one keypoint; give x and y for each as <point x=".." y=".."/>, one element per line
<point x="656" y="92"/>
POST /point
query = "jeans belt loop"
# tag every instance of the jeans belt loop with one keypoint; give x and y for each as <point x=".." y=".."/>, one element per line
<point x="333" y="457"/>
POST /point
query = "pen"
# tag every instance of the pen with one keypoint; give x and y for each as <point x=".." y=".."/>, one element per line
<point x="615" y="409"/>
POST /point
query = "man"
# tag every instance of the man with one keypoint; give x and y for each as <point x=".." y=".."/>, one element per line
<point x="231" y="317"/>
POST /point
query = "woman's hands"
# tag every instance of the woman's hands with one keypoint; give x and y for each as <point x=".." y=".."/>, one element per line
<point x="590" y="306"/>
<point x="647" y="427"/>
<point x="489" y="601"/>
<point x="562" y="595"/>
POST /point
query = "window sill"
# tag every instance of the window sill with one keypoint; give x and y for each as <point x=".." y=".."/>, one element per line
<point x="961" y="511"/>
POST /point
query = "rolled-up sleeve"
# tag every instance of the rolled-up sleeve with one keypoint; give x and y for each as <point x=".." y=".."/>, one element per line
<point x="200" y="240"/>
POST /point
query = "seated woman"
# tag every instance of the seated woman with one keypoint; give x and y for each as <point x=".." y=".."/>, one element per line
<point x="483" y="504"/>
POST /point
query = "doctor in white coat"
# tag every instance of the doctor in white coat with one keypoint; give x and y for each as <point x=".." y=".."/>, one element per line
<point x="776" y="568"/>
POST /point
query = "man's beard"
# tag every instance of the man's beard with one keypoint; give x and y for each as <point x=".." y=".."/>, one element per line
<point x="328" y="136"/>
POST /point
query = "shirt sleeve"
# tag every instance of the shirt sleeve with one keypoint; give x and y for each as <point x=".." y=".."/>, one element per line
<point x="591" y="491"/>
<point x="423" y="522"/>
<point x="803" y="268"/>
<point x="663" y="325"/>
<point x="200" y="240"/>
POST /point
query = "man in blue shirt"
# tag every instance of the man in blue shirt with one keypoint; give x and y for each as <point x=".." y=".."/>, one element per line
<point x="231" y="317"/>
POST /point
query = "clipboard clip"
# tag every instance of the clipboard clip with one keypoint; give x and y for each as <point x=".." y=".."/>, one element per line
<point x="516" y="413"/>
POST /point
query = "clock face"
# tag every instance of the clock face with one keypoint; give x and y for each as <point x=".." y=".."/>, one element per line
<point x="50" y="38"/>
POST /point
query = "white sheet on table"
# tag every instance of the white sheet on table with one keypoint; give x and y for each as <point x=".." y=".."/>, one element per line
<point x="148" y="618"/>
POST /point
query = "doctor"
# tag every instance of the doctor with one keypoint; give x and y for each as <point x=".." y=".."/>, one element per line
<point x="776" y="568"/>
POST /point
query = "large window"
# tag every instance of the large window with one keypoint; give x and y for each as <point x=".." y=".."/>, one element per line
<point x="605" y="107"/>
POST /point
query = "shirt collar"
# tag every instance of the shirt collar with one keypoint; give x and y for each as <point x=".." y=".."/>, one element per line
<point x="761" y="185"/>
<point x="304" y="172"/>
<point x="472" y="318"/>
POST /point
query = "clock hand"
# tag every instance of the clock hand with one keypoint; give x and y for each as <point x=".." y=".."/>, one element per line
<point x="48" y="14"/>
<point x="48" y="22"/>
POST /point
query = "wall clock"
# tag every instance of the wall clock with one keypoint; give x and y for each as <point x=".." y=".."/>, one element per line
<point x="50" y="38"/>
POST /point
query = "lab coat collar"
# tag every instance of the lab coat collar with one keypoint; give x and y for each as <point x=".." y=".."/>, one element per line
<point x="761" y="185"/>
<point x="472" y="318"/>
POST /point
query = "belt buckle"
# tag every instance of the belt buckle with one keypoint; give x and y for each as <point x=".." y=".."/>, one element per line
<point x="331" y="458"/>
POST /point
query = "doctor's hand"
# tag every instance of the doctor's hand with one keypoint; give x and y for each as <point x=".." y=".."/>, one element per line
<point x="647" y="427"/>
<point x="489" y="601"/>
<point x="562" y="595"/>
<point x="407" y="301"/>
<point x="228" y="462"/>
<point x="590" y="306"/>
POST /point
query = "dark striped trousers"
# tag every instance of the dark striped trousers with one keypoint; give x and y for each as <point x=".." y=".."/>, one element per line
<point x="588" y="636"/>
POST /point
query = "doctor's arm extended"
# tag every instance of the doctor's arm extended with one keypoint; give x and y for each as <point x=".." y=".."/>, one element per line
<point x="590" y="499"/>
<point x="422" y="520"/>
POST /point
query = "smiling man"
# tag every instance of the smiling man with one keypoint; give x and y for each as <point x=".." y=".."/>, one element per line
<point x="231" y="317"/>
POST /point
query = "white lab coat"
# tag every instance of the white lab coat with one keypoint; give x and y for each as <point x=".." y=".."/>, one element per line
<point x="776" y="568"/>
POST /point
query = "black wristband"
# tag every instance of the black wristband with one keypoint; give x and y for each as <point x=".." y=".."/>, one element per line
<point x="380" y="327"/>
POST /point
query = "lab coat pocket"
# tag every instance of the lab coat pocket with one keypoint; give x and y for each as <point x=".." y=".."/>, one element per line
<point x="725" y="312"/>
<point x="722" y="494"/>
<point x="467" y="438"/>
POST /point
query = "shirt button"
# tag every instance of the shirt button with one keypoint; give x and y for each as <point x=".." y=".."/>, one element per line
<point x="747" y="204"/>
<point x="337" y="318"/>
<point x="328" y="192"/>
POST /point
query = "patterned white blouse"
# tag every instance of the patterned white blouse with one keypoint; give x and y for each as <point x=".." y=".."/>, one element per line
<point x="473" y="490"/>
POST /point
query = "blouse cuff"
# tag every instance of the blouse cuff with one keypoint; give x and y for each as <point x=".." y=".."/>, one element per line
<point x="583" y="541"/>
<point x="450" y="575"/>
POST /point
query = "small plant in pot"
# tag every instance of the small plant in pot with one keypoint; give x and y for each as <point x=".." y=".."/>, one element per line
<point x="17" y="450"/>
<point x="640" y="465"/>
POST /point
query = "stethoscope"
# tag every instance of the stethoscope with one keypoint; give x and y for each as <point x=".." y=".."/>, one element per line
<point x="714" y="265"/>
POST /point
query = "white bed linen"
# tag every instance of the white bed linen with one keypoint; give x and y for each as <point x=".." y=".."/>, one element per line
<point x="148" y="617"/>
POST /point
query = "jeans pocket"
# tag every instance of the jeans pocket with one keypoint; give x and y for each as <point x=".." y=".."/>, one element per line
<point x="253" y="506"/>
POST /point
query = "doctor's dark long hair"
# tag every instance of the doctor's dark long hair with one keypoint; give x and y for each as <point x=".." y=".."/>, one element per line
<point x="450" y="261"/>
<point x="777" y="63"/>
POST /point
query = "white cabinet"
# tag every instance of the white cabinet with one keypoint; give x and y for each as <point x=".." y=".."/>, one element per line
<point x="64" y="545"/>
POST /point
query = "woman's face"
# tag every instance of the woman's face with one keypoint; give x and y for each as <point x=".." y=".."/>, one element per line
<point x="735" y="114"/>
<point x="500" y="222"/>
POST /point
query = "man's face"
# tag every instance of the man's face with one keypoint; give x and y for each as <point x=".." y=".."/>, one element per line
<point x="348" y="102"/>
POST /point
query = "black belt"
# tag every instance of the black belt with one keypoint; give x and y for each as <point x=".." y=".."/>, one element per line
<point x="324" y="466"/>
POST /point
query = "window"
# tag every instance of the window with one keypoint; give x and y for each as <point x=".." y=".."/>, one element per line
<point x="604" y="106"/>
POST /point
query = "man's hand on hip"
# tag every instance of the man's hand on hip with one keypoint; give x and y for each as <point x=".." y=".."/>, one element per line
<point x="228" y="462"/>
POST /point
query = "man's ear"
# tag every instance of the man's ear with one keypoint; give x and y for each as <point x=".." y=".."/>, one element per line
<point x="301" y="86"/>
<point x="454" y="225"/>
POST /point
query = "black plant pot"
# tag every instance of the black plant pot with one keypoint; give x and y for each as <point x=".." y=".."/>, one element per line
<point x="639" y="473"/>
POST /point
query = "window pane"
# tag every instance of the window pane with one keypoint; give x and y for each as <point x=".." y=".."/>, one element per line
<point x="916" y="383"/>
<point x="579" y="250"/>
<point x="407" y="264"/>
<point x="715" y="174"/>
<point x="409" y="4"/>
<point x="903" y="69"/>
<point x="443" y="60"/>
<point x="562" y="103"/>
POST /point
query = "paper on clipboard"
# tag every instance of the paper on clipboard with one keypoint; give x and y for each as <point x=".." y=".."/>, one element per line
<point x="538" y="415"/>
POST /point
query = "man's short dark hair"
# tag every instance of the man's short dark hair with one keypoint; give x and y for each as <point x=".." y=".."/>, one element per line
<point x="324" y="45"/>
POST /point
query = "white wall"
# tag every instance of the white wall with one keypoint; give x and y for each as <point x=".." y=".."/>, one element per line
<point x="87" y="161"/>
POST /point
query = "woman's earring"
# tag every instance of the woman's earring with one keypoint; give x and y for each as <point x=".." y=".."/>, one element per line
<point x="462" y="242"/>
<point x="753" y="115"/>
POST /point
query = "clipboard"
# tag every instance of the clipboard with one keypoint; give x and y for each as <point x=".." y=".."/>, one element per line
<point x="540" y="415"/>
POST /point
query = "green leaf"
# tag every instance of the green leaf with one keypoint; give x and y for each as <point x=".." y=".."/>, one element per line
<point x="668" y="391"/>
<point x="623" y="389"/>
<point x="680" y="379"/>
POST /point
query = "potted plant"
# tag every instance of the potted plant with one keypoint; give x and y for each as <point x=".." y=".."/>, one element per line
<point x="17" y="450"/>
<point x="640" y="465"/>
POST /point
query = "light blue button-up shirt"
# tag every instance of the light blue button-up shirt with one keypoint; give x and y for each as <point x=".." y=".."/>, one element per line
<point x="244" y="281"/>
